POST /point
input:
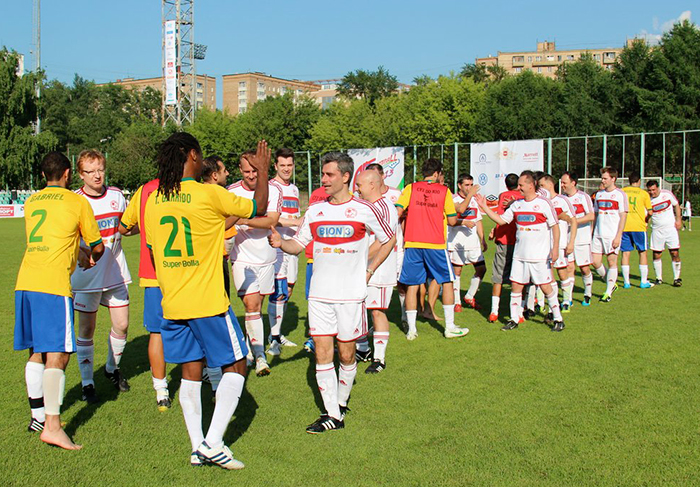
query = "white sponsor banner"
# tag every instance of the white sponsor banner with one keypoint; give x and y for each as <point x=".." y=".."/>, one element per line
<point x="11" y="211"/>
<point x="491" y="162"/>
<point x="391" y="159"/>
<point x="170" y="66"/>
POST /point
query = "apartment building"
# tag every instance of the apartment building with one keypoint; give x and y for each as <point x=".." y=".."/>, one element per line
<point x="243" y="90"/>
<point x="205" y="87"/>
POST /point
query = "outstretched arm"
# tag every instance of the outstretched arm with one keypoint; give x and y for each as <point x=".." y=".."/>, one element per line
<point x="261" y="163"/>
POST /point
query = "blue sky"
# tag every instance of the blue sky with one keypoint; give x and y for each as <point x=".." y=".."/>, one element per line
<point x="107" y="40"/>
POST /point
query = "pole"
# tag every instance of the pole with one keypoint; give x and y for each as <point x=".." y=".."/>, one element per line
<point x="415" y="162"/>
<point x="456" y="168"/>
<point x="549" y="155"/>
<point x="641" y="157"/>
<point x="605" y="150"/>
<point x="623" y="154"/>
<point x="308" y="170"/>
<point x="567" y="154"/>
<point x="683" y="190"/>
<point x="663" y="160"/>
<point x="585" y="154"/>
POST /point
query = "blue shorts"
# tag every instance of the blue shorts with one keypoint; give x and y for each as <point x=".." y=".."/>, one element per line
<point x="218" y="338"/>
<point x="44" y="322"/>
<point x="419" y="264"/>
<point x="309" y="272"/>
<point x="281" y="293"/>
<point x="634" y="240"/>
<point x="152" y="309"/>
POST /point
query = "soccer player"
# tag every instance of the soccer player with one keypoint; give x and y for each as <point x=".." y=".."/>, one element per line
<point x="537" y="228"/>
<point x="611" y="214"/>
<point x="568" y="228"/>
<point x="583" y="208"/>
<point x="104" y="284"/>
<point x="339" y="229"/>
<point x="185" y="224"/>
<point x="466" y="243"/>
<point x="132" y="222"/>
<point x="382" y="282"/>
<point x="687" y="214"/>
<point x="665" y="223"/>
<point x="634" y="235"/>
<point x="286" y="266"/>
<point x="253" y="259"/>
<point x="504" y="236"/>
<point x="55" y="220"/>
<point x="429" y="207"/>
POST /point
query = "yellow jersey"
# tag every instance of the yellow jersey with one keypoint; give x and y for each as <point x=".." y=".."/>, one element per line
<point x="639" y="204"/>
<point x="185" y="232"/>
<point x="55" y="218"/>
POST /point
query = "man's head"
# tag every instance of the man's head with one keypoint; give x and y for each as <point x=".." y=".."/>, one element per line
<point x="511" y="181"/>
<point x="547" y="182"/>
<point x="608" y="176"/>
<point x="91" y="168"/>
<point x="464" y="183"/>
<point x="369" y="185"/>
<point x="569" y="182"/>
<point x="526" y="184"/>
<point x="214" y="171"/>
<point x="179" y="151"/>
<point x="56" y="168"/>
<point x="284" y="164"/>
<point x="432" y="169"/>
<point x="250" y="174"/>
<point x="653" y="188"/>
<point x="336" y="172"/>
<point x="635" y="179"/>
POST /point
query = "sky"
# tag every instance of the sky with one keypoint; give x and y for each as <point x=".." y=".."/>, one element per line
<point x="108" y="40"/>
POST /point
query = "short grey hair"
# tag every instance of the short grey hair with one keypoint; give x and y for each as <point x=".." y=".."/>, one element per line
<point x="344" y="161"/>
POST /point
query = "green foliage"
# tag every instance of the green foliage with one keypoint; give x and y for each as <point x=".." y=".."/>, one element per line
<point x="132" y="155"/>
<point x="368" y="85"/>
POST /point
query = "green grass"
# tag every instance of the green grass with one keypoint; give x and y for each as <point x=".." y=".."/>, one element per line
<point x="613" y="400"/>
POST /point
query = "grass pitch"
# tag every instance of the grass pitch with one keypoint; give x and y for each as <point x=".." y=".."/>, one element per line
<point x="613" y="400"/>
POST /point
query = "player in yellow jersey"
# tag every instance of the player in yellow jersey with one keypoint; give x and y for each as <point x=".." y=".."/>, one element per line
<point x="185" y="224"/>
<point x="634" y="236"/>
<point x="55" y="219"/>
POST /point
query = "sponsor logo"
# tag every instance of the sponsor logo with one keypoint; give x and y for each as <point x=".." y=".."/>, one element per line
<point x="341" y="231"/>
<point x="327" y="250"/>
<point x="483" y="179"/>
<point x="660" y="206"/>
<point x="350" y="213"/>
<point x="482" y="158"/>
<point x="525" y="218"/>
<point x="104" y="223"/>
<point x="7" y="211"/>
<point x="605" y="205"/>
<point x="338" y="251"/>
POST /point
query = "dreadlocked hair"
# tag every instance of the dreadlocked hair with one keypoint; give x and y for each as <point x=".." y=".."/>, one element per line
<point x="172" y="156"/>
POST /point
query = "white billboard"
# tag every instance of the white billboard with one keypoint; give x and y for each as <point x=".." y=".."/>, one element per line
<point x="391" y="159"/>
<point x="491" y="162"/>
<point x="170" y="65"/>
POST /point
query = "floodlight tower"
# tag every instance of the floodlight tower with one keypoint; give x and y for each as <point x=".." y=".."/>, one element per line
<point x="179" y="74"/>
<point x="37" y="56"/>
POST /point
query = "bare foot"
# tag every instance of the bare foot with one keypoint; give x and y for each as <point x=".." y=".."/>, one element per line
<point x="58" y="438"/>
<point x="429" y="315"/>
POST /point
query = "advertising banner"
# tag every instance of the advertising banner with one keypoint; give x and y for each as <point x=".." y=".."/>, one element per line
<point x="170" y="65"/>
<point x="391" y="159"/>
<point x="491" y="162"/>
<point x="11" y="211"/>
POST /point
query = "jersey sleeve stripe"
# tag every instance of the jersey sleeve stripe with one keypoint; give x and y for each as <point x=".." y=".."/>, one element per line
<point x="95" y="243"/>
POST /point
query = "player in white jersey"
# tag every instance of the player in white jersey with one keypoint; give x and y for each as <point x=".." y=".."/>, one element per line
<point x="286" y="266"/>
<point x="466" y="243"/>
<point x="382" y="282"/>
<point x="611" y="207"/>
<point x="253" y="259"/>
<point x="665" y="223"/>
<point x="568" y="228"/>
<point x="583" y="209"/>
<point x="339" y="229"/>
<point x="104" y="284"/>
<point x="536" y="223"/>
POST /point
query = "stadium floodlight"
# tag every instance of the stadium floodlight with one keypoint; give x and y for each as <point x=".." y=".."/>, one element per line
<point x="200" y="51"/>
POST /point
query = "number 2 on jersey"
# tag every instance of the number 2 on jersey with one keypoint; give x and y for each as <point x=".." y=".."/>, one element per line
<point x="169" y="251"/>
<point x="33" y="237"/>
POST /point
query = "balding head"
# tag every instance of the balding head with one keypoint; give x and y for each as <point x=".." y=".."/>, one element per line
<point x="369" y="184"/>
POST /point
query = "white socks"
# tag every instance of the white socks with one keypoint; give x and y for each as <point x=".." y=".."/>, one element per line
<point x="676" y="269"/>
<point x="457" y="287"/>
<point x="644" y="273"/>
<point x="161" y="388"/>
<point x="612" y="279"/>
<point x="85" y="350"/>
<point x="381" y="340"/>
<point x="567" y="289"/>
<point x="473" y="288"/>
<point x="515" y="306"/>
<point x="449" y="310"/>
<point x="275" y="314"/>
<point x="191" y="402"/>
<point x="495" y="304"/>
<point x="116" y="344"/>
<point x="626" y="273"/>
<point x="255" y="329"/>
<point x="553" y="303"/>
<point x="327" y="381"/>
<point x="346" y="377"/>
<point x="601" y="271"/>
<point x="34" y="377"/>
<point x="658" y="269"/>
<point x="588" y="285"/>
<point x="530" y="297"/>
<point x="227" y="395"/>
<point x="411" y="320"/>
<point x="54" y="387"/>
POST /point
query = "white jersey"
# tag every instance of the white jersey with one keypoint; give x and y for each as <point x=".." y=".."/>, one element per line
<point x="290" y="207"/>
<point x="533" y="221"/>
<point x="462" y="237"/>
<point x="583" y="205"/>
<point x="340" y="235"/>
<point x="392" y="194"/>
<point x="688" y="209"/>
<point x="111" y="270"/>
<point x="385" y="274"/>
<point x="544" y="193"/>
<point x="561" y="205"/>
<point x="250" y="246"/>
<point x="663" y="214"/>
<point x="609" y="207"/>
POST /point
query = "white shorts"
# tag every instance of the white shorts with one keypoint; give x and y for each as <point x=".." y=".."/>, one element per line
<point x="399" y="263"/>
<point x="378" y="297"/>
<point x="524" y="273"/>
<point x="563" y="261"/>
<point x="250" y="279"/>
<point x="664" y="238"/>
<point x="600" y="245"/>
<point x="466" y="256"/>
<point x="582" y="255"/>
<point x="345" y="321"/>
<point x="117" y="297"/>
<point x="287" y="267"/>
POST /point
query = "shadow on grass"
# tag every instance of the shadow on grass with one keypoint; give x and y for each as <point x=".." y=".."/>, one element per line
<point x="243" y="417"/>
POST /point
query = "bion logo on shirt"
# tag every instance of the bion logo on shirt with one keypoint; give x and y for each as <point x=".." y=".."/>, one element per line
<point x="661" y="206"/>
<point x="342" y="231"/>
<point x="606" y="205"/>
<point x="526" y="218"/>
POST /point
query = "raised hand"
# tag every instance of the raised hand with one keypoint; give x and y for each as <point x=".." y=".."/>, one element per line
<point x="275" y="239"/>
<point x="261" y="160"/>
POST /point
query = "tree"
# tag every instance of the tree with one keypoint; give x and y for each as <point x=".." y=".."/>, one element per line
<point x="132" y="157"/>
<point x="481" y="73"/>
<point x="368" y="85"/>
